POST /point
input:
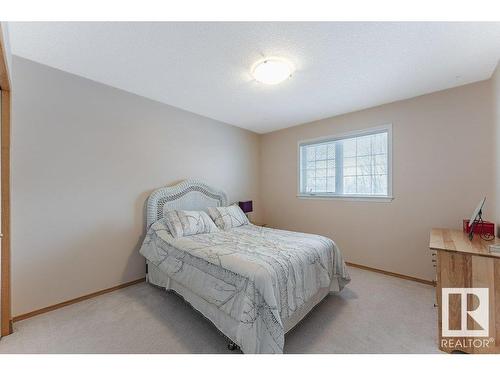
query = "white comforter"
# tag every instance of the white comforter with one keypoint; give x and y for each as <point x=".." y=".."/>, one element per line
<point x="258" y="276"/>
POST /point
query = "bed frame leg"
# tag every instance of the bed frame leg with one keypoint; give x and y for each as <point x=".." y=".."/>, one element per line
<point x="232" y="346"/>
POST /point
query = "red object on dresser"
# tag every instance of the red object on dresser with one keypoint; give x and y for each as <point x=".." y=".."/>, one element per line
<point x="485" y="228"/>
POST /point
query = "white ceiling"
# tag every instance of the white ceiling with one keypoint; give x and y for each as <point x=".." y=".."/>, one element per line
<point x="205" y="67"/>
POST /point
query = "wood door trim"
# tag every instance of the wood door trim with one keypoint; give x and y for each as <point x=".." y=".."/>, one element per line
<point x="4" y="72"/>
<point x="5" y="302"/>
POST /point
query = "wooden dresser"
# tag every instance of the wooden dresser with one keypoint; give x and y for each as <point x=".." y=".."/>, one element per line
<point x="461" y="263"/>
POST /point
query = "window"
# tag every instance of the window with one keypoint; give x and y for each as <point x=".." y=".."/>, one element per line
<point x="353" y="165"/>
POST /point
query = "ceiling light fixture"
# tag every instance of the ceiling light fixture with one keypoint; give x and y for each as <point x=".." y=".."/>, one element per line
<point x="272" y="70"/>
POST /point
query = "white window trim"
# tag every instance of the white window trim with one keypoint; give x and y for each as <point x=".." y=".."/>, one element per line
<point x="350" y="197"/>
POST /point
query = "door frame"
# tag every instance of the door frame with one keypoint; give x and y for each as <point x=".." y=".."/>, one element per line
<point x="5" y="303"/>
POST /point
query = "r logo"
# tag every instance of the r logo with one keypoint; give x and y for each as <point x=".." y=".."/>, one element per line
<point x="480" y="314"/>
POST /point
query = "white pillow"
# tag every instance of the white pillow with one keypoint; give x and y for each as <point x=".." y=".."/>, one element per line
<point x="228" y="217"/>
<point x="187" y="223"/>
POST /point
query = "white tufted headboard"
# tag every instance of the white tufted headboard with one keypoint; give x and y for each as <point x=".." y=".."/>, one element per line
<point x="187" y="195"/>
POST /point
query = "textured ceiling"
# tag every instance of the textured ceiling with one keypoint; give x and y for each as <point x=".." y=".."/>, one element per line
<point x="205" y="67"/>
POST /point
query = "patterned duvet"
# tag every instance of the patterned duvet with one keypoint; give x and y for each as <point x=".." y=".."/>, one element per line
<point x="258" y="276"/>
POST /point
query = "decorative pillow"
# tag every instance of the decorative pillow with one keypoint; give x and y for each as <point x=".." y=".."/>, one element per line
<point x="187" y="223"/>
<point x="228" y="217"/>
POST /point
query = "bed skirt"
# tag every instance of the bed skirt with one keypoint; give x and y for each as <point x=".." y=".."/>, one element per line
<point x="224" y="323"/>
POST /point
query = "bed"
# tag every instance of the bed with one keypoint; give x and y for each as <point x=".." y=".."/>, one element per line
<point x="253" y="283"/>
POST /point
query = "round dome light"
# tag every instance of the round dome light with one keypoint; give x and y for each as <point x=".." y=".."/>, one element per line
<point x="272" y="70"/>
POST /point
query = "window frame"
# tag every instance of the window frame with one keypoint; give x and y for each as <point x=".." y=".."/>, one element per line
<point x="336" y="137"/>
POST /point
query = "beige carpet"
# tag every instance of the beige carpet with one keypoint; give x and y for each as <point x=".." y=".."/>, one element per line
<point x="374" y="314"/>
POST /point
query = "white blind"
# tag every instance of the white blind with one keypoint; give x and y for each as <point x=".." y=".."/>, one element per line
<point x="355" y="165"/>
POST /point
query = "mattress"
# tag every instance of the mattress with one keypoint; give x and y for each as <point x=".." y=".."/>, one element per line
<point x="253" y="283"/>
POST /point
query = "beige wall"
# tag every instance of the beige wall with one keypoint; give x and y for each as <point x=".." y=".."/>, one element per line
<point x="84" y="159"/>
<point x="442" y="165"/>
<point x="495" y="85"/>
